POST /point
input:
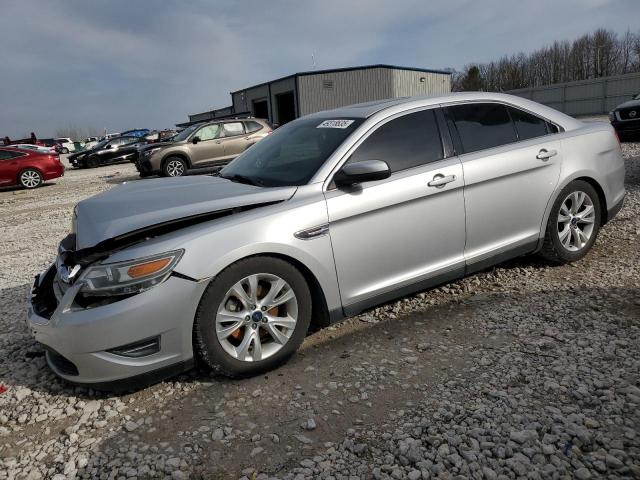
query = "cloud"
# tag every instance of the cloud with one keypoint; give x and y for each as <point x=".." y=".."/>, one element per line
<point x="119" y="65"/>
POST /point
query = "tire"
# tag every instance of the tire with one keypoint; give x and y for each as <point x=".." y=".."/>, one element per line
<point x="64" y="150"/>
<point x="91" y="162"/>
<point x="174" y="167"/>
<point x="214" y="347"/>
<point x="30" y="178"/>
<point x="561" y="246"/>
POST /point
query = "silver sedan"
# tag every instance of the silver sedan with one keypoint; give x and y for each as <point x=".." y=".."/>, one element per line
<point x="330" y="215"/>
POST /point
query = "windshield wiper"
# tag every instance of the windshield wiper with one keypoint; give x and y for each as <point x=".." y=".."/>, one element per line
<point x="236" y="177"/>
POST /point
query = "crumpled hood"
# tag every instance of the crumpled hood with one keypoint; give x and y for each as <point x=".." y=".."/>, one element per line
<point x="141" y="204"/>
<point x="630" y="103"/>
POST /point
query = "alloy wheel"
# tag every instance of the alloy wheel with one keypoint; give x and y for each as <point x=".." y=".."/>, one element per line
<point x="256" y="317"/>
<point x="576" y="220"/>
<point x="30" y="179"/>
<point x="175" y="168"/>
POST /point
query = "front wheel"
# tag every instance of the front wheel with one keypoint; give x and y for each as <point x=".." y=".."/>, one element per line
<point x="174" y="167"/>
<point x="573" y="223"/>
<point x="252" y="317"/>
<point x="91" y="162"/>
<point x="64" y="150"/>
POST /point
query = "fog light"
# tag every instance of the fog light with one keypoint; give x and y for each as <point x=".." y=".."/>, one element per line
<point x="142" y="348"/>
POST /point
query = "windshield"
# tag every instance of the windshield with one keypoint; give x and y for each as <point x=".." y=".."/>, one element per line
<point x="184" y="134"/>
<point x="292" y="154"/>
<point x="101" y="143"/>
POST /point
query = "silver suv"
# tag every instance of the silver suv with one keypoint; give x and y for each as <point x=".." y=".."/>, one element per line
<point x="330" y="215"/>
<point x="199" y="146"/>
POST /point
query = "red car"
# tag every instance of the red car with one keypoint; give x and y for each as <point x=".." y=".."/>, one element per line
<point x="28" y="168"/>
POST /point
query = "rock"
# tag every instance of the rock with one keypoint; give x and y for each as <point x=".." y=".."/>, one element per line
<point x="524" y="436"/>
<point x="130" y="426"/>
<point x="303" y="439"/>
<point x="309" y="424"/>
<point x="583" y="474"/>
<point x="256" y="451"/>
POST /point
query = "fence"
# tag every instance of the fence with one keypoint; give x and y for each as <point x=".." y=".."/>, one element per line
<point x="585" y="97"/>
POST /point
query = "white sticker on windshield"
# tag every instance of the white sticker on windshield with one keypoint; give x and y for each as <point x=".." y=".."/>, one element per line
<point x="335" y="124"/>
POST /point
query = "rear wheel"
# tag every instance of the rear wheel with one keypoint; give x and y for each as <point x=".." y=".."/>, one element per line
<point x="573" y="223"/>
<point x="64" y="150"/>
<point x="252" y="317"/>
<point x="30" y="178"/>
<point x="174" y="167"/>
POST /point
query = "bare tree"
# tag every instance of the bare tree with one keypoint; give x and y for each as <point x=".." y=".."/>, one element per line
<point x="597" y="54"/>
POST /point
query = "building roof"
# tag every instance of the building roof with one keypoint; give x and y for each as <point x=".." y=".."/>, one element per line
<point x="346" y="69"/>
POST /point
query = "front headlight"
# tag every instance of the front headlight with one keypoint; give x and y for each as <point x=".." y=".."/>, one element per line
<point x="151" y="151"/>
<point x="612" y="116"/>
<point x="130" y="277"/>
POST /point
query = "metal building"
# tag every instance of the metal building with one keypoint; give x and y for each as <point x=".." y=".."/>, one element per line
<point x="293" y="96"/>
<point x="303" y="93"/>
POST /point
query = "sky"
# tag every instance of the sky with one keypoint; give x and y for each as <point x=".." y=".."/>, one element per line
<point x="131" y="64"/>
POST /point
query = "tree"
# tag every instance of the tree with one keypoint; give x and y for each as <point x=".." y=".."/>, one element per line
<point x="597" y="54"/>
<point x="472" y="80"/>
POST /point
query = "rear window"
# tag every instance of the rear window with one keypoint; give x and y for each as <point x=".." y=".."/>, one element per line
<point x="482" y="125"/>
<point x="527" y="125"/>
<point x="231" y="129"/>
<point x="252" y="126"/>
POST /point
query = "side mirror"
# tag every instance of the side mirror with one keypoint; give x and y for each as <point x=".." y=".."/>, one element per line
<point x="359" y="172"/>
<point x="195" y="140"/>
<point x="107" y="147"/>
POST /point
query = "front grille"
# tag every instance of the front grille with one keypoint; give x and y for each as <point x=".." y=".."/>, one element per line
<point x="61" y="364"/>
<point x="625" y="113"/>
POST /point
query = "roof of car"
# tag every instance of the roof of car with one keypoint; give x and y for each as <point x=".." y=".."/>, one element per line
<point x="368" y="109"/>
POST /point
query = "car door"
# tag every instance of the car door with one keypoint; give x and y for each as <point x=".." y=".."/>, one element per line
<point x="110" y="151"/>
<point x="208" y="147"/>
<point x="8" y="167"/>
<point x="405" y="232"/>
<point x="511" y="161"/>
<point x="235" y="139"/>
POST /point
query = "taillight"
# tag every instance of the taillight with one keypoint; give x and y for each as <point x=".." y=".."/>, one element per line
<point x="617" y="138"/>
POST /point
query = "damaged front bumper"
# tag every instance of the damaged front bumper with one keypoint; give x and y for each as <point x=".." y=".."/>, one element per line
<point x="124" y="344"/>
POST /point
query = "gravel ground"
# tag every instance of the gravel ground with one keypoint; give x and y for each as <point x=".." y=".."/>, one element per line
<point x="527" y="370"/>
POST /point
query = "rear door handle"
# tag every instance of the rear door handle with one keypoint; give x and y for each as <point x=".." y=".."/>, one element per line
<point x="545" y="154"/>
<point x="440" y="180"/>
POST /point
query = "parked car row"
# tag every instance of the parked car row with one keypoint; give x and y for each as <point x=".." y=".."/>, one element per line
<point x="203" y="145"/>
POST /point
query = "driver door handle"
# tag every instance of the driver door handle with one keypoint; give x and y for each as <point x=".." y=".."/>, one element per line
<point x="440" y="180"/>
<point x="545" y="154"/>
